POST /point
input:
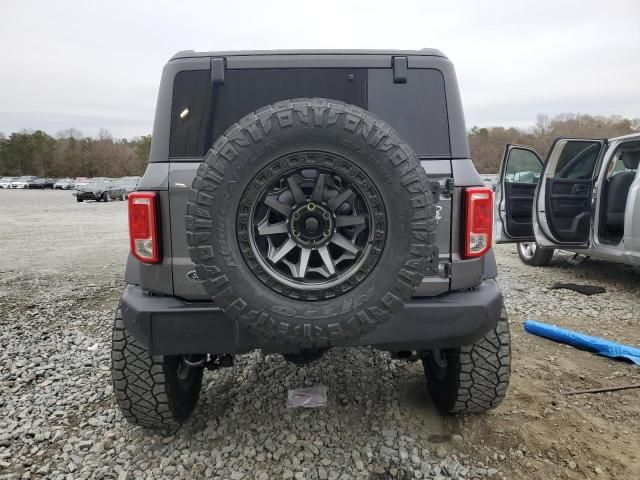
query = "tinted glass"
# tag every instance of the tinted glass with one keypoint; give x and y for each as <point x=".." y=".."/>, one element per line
<point x="577" y="160"/>
<point x="202" y="111"/>
<point x="190" y="114"/>
<point x="416" y="109"/>
<point x="247" y="90"/>
<point x="523" y="166"/>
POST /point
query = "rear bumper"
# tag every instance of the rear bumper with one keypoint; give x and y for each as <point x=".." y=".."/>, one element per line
<point x="171" y="326"/>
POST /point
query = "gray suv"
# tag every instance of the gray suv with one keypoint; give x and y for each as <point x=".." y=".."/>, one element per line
<point x="296" y="201"/>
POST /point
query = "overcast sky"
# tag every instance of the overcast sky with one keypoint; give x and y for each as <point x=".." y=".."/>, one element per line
<point x="91" y="65"/>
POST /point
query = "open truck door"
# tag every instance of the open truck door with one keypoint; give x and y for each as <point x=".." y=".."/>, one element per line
<point x="566" y="198"/>
<point x="515" y="194"/>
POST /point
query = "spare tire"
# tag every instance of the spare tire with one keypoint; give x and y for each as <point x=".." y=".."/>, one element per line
<point x="310" y="221"/>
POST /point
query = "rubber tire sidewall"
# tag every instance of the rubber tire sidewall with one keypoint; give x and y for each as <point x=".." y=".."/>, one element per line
<point x="541" y="258"/>
<point x="244" y="297"/>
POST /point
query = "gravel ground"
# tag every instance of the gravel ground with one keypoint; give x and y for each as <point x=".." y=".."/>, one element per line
<point x="61" y="267"/>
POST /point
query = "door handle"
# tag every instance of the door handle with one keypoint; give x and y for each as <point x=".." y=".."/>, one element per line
<point x="580" y="190"/>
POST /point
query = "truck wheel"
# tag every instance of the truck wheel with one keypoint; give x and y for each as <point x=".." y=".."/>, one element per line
<point x="473" y="378"/>
<point x="79" y="200"/>
<point x="310" y="221"/>
<point x="532" y="254"/>
<point x="157" y="392"/>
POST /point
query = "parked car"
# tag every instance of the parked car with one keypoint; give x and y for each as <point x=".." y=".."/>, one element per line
<point x="490" y="180"/>
<point x="5" y="182"/>
<point x="64" y="184"/>
<point x="585" y="198"/>
<point x="100" y="190"/>
<point x="80" y="181"/>
<point x="42" y="183"/>
<point x="129" y="184"/>
<point x="26" y="181"/>
<point x="304" y="217"/>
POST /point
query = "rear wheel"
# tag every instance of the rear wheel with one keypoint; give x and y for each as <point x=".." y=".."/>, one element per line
<point x="106" y="197"/>
<point x="473" y="378"/>
<point x="153" y="391"/>
<point x="532" y="254"/>
<point x="79" y="200"/>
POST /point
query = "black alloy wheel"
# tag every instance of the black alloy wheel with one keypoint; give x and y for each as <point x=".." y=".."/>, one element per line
<point x="310" y="228"/>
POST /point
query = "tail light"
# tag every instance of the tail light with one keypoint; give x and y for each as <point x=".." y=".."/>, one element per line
<point x="143" y="228"/>
<point x="479" y="221"/>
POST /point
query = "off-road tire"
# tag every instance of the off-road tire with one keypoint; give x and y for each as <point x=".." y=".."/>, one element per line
<point x="476" y="377"/>
<point x="147" y="388"/>
<point x="540" y="258"/>
<point x="271" y="137"/>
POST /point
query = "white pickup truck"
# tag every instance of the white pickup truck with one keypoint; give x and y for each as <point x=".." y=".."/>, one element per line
<point x="583" y="198"/>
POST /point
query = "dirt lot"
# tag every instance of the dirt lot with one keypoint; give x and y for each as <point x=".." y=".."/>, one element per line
<point x="61" y="267"/>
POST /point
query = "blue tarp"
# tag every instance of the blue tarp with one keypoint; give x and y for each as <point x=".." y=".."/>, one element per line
<point x="597" y="345"/>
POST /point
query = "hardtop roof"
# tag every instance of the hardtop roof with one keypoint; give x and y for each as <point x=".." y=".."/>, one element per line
<point x="425" y="52"/>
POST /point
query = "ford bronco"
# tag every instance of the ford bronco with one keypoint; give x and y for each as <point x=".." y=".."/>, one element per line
<point x="296" y="201"/>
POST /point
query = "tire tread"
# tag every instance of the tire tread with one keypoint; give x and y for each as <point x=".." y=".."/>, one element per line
<point x="143" y="387"/>
<point x="252" y="131"/>
<point x="477" y="376"/>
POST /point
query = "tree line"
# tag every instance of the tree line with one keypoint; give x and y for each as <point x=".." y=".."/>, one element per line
<point x="487" y="144"/>
<point x="71" y="154"/>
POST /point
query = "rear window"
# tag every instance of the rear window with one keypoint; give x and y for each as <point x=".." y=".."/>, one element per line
<point x="190" y="114"/>
<point x="247" y="90"/>
<point x="416" y="109"/>
<point x="202" y="111"/>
